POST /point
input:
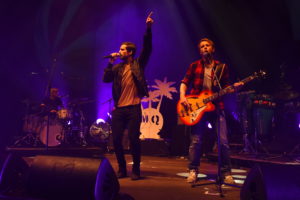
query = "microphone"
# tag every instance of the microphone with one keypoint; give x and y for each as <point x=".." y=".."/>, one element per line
<point x="110" y="56"/>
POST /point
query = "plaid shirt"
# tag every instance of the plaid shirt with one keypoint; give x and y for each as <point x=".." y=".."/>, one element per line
<point x="195" y="76"/>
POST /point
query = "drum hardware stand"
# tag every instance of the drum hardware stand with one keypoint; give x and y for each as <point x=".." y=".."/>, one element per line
<point x="292" y="153"/>
<point x="244" y="108"/>
<point x="29" y="139"/>
<point x="257" y="143"/>
<point x="83" y="141"/>
<point x="295" y="149"/>
<point x="109" y="121"/>
<point x="248" y="148"/>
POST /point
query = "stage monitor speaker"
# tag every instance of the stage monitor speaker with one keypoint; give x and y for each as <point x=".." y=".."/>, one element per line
<point x="272" y="182"/>
<point x="57" y="177"/>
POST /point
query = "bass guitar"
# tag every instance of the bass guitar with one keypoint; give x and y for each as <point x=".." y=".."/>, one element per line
<point x="192" y="113"/>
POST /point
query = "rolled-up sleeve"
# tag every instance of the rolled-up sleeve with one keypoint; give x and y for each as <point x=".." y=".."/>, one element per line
<point x="189" y="75"/>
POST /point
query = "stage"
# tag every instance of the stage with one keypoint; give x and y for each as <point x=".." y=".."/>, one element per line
<point x="164" y="177"/>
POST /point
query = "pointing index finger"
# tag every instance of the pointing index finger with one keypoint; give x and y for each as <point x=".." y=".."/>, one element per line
<point x="150" y="14"/>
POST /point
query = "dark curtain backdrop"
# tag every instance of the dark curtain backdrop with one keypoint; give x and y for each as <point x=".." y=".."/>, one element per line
<point x="62" y="42"/>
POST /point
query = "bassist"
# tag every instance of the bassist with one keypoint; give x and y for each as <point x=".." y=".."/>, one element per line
<point x="207" y="74"/>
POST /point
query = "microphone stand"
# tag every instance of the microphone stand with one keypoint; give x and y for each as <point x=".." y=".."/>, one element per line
<point x="220" y="120"/>
<point x="219" y="179"/>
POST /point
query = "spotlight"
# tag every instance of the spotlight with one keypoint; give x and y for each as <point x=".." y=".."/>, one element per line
<point x="98" y="121"/>
<point x="209" y="125"/>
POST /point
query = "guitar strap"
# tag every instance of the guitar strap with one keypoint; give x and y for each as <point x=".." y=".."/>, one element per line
<point x="219" y="73"/>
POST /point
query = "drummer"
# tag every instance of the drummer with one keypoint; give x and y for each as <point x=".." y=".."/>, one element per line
<point x="52" y="103"/>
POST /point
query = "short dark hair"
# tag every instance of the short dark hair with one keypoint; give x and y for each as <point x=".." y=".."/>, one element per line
<point x="208" y="40"/>
<point x="130" y="47"/>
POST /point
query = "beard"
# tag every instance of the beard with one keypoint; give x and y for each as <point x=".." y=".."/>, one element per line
<point x="207" y="55"/>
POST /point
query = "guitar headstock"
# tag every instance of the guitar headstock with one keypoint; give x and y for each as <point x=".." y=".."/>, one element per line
<point x="260" y="74"/>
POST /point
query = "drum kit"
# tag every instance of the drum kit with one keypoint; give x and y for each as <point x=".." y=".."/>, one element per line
<point x="256" y="116"/>
<point x="67" y="126"/>
<point x="261" y="117"/>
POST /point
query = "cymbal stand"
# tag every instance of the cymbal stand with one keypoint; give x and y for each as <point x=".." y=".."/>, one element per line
<point x="257" y="143"/>
<point x="83" y="141"/>
<point x="295" y="153"/>
<point x="30" y="138"/>
<point x="295" y="149"/>
<point x="248" y="148"/>
<point x="244" y="102"/>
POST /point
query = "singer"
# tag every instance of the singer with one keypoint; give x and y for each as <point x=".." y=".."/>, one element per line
<point x="129" y="86"/>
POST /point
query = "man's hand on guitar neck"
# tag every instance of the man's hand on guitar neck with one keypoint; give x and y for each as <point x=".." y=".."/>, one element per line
<point x="237" y="86"/>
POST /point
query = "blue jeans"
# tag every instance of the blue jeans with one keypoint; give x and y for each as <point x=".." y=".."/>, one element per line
<point x="197" y="133"/>
<point x="127" y="117"/>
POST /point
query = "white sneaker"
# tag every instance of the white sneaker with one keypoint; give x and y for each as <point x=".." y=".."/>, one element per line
<point x="229" y="179"/>
<point x="192" y="178"/>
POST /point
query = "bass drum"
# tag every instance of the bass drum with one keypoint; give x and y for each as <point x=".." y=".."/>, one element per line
<point x="55" y="133"/>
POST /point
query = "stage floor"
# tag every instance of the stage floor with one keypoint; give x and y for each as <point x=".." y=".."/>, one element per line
<point x="165" y="178"/>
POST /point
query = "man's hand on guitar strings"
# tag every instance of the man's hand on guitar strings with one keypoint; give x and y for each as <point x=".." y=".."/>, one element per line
<point x="184" y="102"/>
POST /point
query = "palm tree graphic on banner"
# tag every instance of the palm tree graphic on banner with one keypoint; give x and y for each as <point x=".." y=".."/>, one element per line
<point x="152" y="119"/>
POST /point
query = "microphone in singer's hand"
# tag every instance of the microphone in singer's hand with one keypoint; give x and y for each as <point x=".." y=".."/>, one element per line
<point x="110" y="56"/>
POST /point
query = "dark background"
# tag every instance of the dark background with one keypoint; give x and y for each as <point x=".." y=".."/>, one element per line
<point x="68" y="38"/>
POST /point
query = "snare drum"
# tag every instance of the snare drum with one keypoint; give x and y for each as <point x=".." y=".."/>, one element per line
<point x="64" y="114"/>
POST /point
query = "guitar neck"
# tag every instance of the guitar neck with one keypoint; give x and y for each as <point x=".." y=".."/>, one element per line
<point x="226" y="90"/>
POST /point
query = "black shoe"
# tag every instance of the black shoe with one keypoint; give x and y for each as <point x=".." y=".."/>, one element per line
<point x="135" y="176"/>
<point x="121" y="174"/>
